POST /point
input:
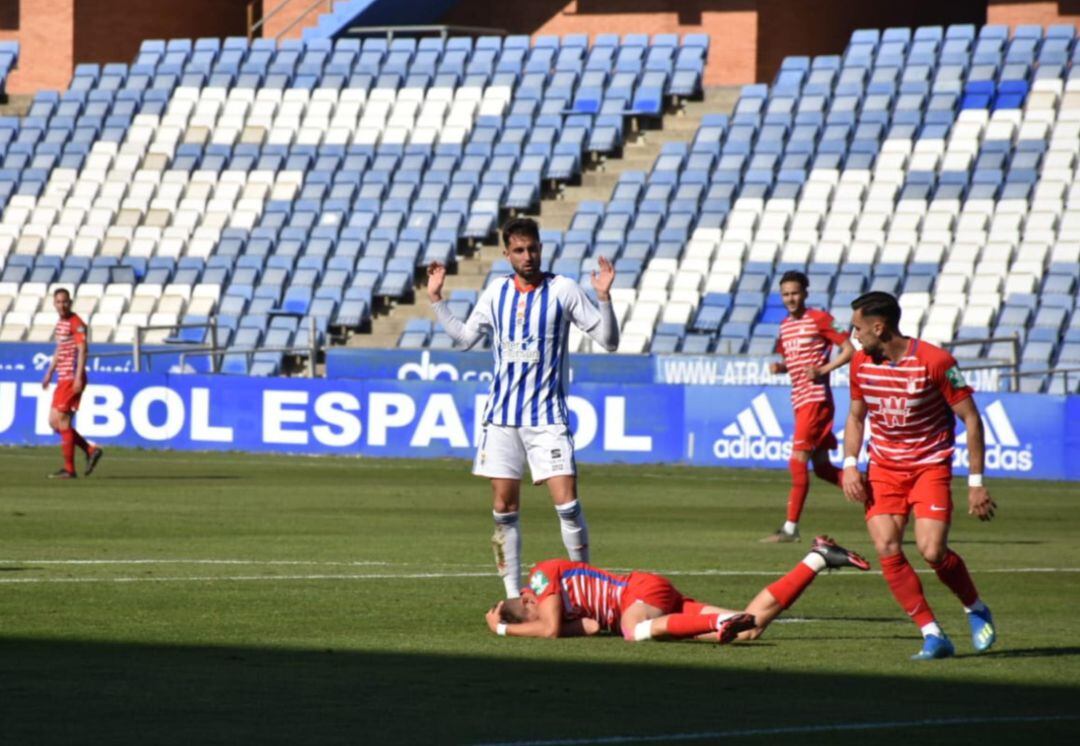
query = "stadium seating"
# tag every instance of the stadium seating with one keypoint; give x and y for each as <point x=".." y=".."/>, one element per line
<point x="302" y="181"/>
<point x="938" y="164"/>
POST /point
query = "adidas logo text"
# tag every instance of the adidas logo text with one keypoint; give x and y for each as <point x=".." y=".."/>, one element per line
<point x="755" y="434"/>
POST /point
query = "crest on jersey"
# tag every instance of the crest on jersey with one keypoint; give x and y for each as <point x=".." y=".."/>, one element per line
<point x="955" y="377"/>
<point x="894" y="411"/>
<point x="539" y="582"/>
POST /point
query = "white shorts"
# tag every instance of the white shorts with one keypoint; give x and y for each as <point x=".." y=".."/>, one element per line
<point x="503" y="451"/>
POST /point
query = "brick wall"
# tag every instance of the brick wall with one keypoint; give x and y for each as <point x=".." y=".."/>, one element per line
<point x="1044" y="13"/>
<point x="46" y="45"/>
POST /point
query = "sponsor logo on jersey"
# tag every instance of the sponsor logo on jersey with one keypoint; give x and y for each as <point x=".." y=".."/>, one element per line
<point x="539" y="582"/>
<point x="955" y="378"/>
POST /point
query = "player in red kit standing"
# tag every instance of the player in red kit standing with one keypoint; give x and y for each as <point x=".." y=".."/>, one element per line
<point x="806" y="337"/>
<point x="69" y="364"/>
<point x="913" y="392"/>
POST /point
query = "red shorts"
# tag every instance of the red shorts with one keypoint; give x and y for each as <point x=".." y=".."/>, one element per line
<point x="927" y="490"/>
<point x="813" y="427"/>
<point x="654" y="590"/>
<point x="64" y="399"/>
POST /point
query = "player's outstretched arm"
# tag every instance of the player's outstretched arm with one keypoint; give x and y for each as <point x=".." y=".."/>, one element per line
<point x="979" y="501"/>
<point x="436" y="277"/>
<point x="853" y="481"/>
<point x="467" y="334"/>
<point x="600" y="324"/>
<point x="602" y="279"/>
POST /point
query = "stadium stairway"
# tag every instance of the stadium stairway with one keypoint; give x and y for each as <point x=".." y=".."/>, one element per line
<point x="556" y="211"/>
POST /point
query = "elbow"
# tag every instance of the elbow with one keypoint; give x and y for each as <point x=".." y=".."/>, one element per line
<point x="550" y="632"/>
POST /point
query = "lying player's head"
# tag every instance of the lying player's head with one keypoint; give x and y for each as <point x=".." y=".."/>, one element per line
<point x="793" y="287"/>
<point x="521" y="245"/>
<point x="876" y="320"/>
<point x="518" y="610"/>
<point x="62" y="302"/>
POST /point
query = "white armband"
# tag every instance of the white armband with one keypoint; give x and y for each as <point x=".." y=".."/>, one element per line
<point x="500" y="629"/>
<point x="850" y="461"/>
<point x="975" y="480"/>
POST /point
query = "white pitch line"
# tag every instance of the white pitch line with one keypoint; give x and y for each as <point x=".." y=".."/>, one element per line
<point x="793" y="730"/>
<point x="414" y="576"/>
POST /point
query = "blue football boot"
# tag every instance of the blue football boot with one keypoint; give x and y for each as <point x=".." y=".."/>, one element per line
<point x="935" y="647"/>
<point x="983" y="633"/>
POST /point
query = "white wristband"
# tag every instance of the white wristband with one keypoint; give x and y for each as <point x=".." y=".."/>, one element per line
<point x="975" y="480"/>
<point x="500" y="629"/>
<point x="850" y="461"/>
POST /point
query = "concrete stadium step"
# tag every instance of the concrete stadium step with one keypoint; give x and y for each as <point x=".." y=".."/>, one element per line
<point x="556" y="211"/>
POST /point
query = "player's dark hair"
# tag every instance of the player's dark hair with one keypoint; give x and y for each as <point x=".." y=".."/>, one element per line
<point x="520" y="227"/>
<point x="879" y="304"/>
<point x="513" y="611"/>
<point x="65" y="291"/>
<point x="794" y="275"/>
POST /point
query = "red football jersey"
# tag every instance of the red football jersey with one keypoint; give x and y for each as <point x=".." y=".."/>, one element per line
<point x="584" y="591"/>
<point x="70" y="333"/>
<point x="806" y="342"/>
<point x="910" y="404"/>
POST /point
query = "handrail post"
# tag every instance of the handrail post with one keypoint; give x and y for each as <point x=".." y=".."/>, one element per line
<point x="313" y="342"/>
<point x="136" y="349"/>
<point x="1016" y="362"/>
<point x="215" y="363"/>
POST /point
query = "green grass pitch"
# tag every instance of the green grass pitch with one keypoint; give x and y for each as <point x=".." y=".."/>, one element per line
<point x="230" y="598"/>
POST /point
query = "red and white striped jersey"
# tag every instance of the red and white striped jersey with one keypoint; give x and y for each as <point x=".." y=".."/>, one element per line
<point x="586" y="592"/>
<point x="805" y="342"/>
<point x="910" y="404"/>
<point x="69" y="333"/>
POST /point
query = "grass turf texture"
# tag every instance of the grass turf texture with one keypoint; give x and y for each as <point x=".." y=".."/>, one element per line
<point x="317" y="635"/>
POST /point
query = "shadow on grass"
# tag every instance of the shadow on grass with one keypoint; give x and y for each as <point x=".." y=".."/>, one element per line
<point x="70" y="692"/>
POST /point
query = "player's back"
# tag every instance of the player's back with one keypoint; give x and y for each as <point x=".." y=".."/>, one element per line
<point x="585" y="591"/>
<point x="909" y="403"/>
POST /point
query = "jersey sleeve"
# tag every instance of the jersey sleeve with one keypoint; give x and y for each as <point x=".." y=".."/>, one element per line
<point x="856" y="389"/>
<point x="579" y="308"/>
<point x="946" y="375"/>
<point x="544" y="579"/>
<point x="830" y="329"/>
<point x="78" y="330"/>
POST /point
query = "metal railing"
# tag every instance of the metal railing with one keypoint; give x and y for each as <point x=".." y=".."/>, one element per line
<point x="185" y="349"/>
<point x="444" y="31"/>
<point x="1013" y="365"/>
<point x="253" y="25"/>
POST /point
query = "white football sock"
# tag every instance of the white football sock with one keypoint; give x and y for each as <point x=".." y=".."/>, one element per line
<point x="931" y="629"/>
<point x="814" y="561"/>
<point x="506" y="542"/>
<point x="790" y="527"/>
<point x="575" y="534"/>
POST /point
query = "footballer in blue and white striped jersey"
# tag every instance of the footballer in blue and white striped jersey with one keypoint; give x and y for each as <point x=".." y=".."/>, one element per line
<point x="529" y="313"/>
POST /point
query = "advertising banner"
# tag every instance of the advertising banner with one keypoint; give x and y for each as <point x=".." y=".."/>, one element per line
<point x="1027" y="435"/>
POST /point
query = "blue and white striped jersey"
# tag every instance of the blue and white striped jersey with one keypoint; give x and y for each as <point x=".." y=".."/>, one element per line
<point x="530" y="331"/>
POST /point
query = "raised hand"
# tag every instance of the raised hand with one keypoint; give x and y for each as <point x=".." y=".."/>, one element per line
<point x="436" y="274"/>
<point x="603" y="278"/>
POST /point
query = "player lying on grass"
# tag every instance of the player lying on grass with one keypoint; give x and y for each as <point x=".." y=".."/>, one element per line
<point x="570" y="599"/>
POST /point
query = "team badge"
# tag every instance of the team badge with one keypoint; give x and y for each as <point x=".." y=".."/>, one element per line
<point x="955" y="377"/>
<point x="539" y="582"/>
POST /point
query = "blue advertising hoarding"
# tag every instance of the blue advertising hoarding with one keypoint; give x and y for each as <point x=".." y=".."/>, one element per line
<point x="1027" y="435"/>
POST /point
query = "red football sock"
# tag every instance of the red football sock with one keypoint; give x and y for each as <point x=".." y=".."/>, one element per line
<point x="954" y="573"/>
<point x="67" y="446"/>
<point x="691" y="625"/>
<point x="787" y="589"/>
<point x="800" y="485"/>
<point x="906" y="588"/>
<point x="827" y="472"/>
<point x="80" y="441"/>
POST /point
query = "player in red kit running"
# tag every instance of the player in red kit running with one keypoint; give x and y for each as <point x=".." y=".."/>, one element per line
<point x="913" y="392"/>
<point x="571" y="599"/>
<point x="806" y="337"/>
<point x="69" y="364"/>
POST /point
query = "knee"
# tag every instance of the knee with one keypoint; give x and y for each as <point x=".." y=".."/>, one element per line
<point x="933" y="552"/>
<point x="887" y="547"/>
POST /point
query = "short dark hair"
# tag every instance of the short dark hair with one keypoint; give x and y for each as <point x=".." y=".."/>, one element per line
<point x="520" y="226"/>
<point x="880" y="304"/>
<point x="794" y="275"/>
<point x="65" y="291"/>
